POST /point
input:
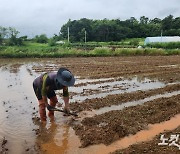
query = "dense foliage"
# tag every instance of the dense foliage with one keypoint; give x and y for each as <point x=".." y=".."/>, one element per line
<point x="41" y="38"/>
<point x="115" y="30"/>
<point x="167" y="45"/>
<point x="8" y="36"/>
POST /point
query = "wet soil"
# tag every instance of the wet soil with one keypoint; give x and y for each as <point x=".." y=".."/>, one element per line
<point x="118" y="99"/>
<point x="4" y="149"/>
<point x="101" y="82"/>
<point x="162" y="67"/>
<point x="111" y="126"/>
<point x="152" y="146"/>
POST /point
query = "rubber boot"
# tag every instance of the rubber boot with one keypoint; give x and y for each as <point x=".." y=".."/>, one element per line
<point x="53" y="102"/>
<point x="42" y="112"/>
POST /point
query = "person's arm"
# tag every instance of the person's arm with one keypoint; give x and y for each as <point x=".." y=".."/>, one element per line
<point x="66" y="101"/>
<point x="66" y="98"/>
<point x="44" y="90"/>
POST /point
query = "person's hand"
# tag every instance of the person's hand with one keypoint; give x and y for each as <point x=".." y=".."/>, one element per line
<point x="66" y="110"/>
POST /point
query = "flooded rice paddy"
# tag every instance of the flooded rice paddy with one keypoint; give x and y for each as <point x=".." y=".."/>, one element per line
<point x="145" y="90"/>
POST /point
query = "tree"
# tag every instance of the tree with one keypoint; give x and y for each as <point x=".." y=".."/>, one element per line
<point x="167" y="22"/>
<point x="41" y="39"/>
<point x="13" y="32"/>
<point x="1" y="39"/>
<point x="24" y="38"/>
<point x="176" y="23"/>
<point x="115" y="30"/>
<point x="82" y="35"/>
<point x="155" y="21"/>
<point x="144" y="20"/>
<point x="13" y="40"/>
<point x="3" y="34"/>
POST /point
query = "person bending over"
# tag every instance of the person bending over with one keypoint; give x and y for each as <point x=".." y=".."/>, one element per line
<point x="44" y="87"/>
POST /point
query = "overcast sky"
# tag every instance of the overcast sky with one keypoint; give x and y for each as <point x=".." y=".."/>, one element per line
<point x="34" y="17"/>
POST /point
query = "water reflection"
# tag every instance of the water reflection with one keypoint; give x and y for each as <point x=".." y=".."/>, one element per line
<point x="57" y="138"/>
<point x="69" y="143"/>
<point x="50" y="144"/>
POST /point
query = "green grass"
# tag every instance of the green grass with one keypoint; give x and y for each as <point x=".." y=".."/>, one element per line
<point x="35" y="45"/>
<point x="168" y="45"/>
<point x="43" y="50"/>
<point x="139" y="40"/>
<point x="58" y="52"/>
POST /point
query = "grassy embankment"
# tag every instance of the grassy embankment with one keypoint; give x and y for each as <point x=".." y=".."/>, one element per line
<point x="124" y="48"/>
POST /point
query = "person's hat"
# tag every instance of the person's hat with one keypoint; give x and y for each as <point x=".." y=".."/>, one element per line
<point x="65" y="77"/>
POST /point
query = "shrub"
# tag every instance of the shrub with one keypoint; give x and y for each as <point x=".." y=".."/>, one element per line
<point x="101" y="51"/>
<point x="41" y="39"/>
<point x="134" y="42"/>
<point x="169" y="45"/>
<point x="52" y="42"/>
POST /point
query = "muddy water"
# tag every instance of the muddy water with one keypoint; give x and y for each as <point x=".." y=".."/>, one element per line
<point x="69" y="143"/>
<point x="18" y="105"/>
<point x="114" y="87"/>
<point x="61" y="139"/>
<point x="142" y="136"/>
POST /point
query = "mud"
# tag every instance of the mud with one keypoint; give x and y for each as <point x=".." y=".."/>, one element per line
<point x="118" y="99"/>
<point x="4" y="150"/>
<point x="101" y="82"/>
<point x="134" y="103"/>
<point x="108" y="127"/>
<point x="151" y="147"/>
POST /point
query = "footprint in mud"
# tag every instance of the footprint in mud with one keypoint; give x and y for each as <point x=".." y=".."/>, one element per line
<point x="37" y="122"/>
<point x="3" y="146"/>
<point x="31" y="149"/>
